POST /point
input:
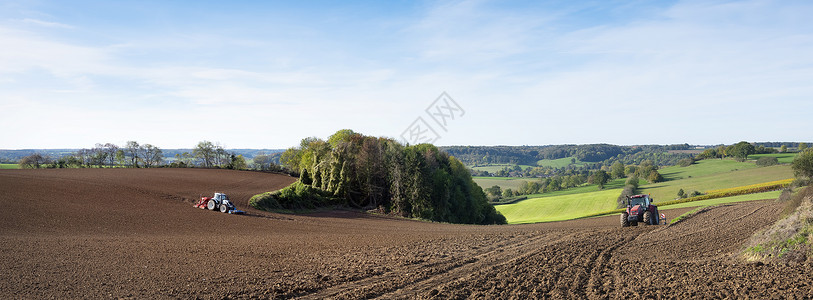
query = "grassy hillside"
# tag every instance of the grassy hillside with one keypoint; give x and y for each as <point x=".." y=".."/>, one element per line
<point x="705" y="168"/>
<point x="558" y="208"/>
<point x="712" y="174"/>
<point x="751" y="197"/>
<point x="703" y="176"/>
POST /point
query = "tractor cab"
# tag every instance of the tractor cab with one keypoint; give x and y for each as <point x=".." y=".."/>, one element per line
<point x="220" y="197"/>
<point x="642" y="200"/>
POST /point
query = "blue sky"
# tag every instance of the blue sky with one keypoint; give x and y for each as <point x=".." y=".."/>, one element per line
<point x="265" y="74"/>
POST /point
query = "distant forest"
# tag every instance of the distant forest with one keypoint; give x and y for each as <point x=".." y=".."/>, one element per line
<point x="522" y="161"/>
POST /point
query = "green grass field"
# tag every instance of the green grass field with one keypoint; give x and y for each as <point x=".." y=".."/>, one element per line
<point x="712" y="174"/>
<point x="9" y="166"/>
<point x="703" y="176"/>
<point x="558" y="208"/>
<point x="704" y="168"/>
<point x="557" y="163"/>
<point x="612" y="184"/>
<point x="741" y="198"/>
<point x="784" y="158"/>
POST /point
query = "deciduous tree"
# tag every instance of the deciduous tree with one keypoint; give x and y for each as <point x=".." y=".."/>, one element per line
<point x="803" y="164"/>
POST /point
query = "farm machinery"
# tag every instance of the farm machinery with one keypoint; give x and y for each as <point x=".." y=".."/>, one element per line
<point x="220" y="202"/>
<point x="640" y="210"/>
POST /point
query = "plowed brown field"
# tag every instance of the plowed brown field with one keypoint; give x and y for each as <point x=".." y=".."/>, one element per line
<point x="132" y="233"/>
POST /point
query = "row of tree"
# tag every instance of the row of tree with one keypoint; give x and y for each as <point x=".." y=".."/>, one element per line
<point x="739" y="151"/>
<point x="417" y="181"/>
<point x="206" y="154"/>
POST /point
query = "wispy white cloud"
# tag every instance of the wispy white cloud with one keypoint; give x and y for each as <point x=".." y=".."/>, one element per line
<point x="46" y="23"/>
<point x="687" y="67"/>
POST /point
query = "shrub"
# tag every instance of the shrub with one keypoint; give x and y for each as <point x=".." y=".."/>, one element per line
<point x="295" y="196"/>
<point x="654" y="177"/>
<point x="633" y="181"/>
<point x="685" y="162"/>
<point x="767" y="161"/>
<point x="803" y="164"/>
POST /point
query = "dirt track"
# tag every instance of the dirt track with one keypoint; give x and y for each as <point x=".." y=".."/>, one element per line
<point x="89" y="233"/>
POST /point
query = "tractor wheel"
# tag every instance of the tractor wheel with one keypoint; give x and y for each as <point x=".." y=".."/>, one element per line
<point x="657" y="219"/>
<point x="625" y="221"/>
<point x="224" y="208"/>
<point x="647" y="218"/>
<point x="211" y="205"/>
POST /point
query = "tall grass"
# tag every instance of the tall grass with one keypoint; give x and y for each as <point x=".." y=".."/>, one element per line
<point x="789" y="239"/>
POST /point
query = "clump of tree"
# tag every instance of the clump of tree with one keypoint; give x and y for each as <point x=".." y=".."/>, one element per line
<point x="350" y="169"/>
<point x="682" y="194"/>
<point x="802" y="165"/>
<point x="685" y="162"/>
<point x="494" y="193"/>
<point x="767" y="161"/>
<point x="599" y="178"/>
<point x="739" y="151"/>
<point x="33" y="161"/>
<point x="649" y="172"/>
<point x="630" y="189"/>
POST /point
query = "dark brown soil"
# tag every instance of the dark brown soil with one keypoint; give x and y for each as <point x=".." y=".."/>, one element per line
<point x="133" y="233"/>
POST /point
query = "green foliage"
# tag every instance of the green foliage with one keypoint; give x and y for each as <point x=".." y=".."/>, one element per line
<point x="803" y="164"/>
<point x="295" y="196"/>
<point x="681" y="194"/>
<point x="633" y="181"/>
<point x="802" y="147"/>
<point x="741" y="150"/>
<point x="710" y="153"/>
<point x="367" y="172"/>
<point x="629" y="190"/>
<point x="600" y="178"/>
<point x="494" y="191"/>
<point x="617" y="170"/>
<point x="767" y="161"/>
<point x="654" y="177"/>
<point x="783" y="149"/>
<point x="530" y="187"/>
<point x="685" y="162"/>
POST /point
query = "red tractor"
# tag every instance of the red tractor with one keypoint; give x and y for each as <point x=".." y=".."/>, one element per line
<point x="219" y="202"/>
<point x="640" y="209"/>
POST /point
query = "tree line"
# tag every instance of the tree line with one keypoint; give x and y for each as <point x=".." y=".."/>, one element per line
<point x="133" y="154"/>
<point x="354" y="170"/>
<point x="740" y="151"/>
